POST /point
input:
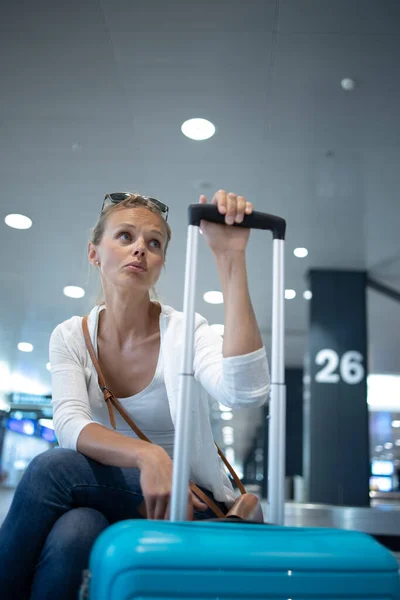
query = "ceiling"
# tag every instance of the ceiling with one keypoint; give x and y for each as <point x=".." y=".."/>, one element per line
<point x="93" y="97"/>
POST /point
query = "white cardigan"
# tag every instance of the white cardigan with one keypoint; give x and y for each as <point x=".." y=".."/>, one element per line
<point x="238" y="381"/>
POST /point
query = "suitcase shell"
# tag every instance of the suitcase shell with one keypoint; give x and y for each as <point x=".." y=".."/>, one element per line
<point x="159" y="560"/>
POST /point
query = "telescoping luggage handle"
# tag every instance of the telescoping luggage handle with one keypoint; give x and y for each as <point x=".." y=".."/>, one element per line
<point x="277" y="408"/>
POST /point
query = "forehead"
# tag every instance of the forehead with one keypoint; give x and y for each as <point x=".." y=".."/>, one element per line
<point x="137" y="216"/>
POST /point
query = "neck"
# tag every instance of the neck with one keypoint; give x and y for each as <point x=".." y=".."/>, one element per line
<point x="129" y="319"/>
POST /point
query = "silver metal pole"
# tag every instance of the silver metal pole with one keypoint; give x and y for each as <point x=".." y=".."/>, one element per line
<point x="277" y="412"/>
<point x="182" y="442"/>
<point x="282" y="452"/>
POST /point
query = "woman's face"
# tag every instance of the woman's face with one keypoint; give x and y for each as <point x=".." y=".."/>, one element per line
<point x="131" y="252"/>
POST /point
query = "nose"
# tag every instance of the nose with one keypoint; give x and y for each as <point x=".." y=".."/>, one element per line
<point x="139" y="249"/>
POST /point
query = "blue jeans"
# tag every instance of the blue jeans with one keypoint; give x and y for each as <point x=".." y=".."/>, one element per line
<point x="61" y="505"/>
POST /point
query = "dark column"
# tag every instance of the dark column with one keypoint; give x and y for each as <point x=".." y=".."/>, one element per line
<point x="294" y="421"/>
<point x="336" y="443"/>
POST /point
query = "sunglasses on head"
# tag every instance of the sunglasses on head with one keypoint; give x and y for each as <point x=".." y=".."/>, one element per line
<point x="117" y="197"/>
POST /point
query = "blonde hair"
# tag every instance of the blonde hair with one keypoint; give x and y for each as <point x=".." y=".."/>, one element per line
<point x="133" y="201"/>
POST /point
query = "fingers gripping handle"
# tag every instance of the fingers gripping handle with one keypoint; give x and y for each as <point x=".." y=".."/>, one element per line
<point x="257" y="220"/>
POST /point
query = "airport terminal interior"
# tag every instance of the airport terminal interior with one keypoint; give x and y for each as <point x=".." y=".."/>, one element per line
<point x="292" y="105"/>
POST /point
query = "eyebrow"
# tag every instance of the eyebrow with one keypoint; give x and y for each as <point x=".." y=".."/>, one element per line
<point x="134" y="227"/>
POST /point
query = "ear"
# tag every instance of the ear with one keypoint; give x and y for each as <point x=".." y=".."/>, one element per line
<point x="92" y="253"/>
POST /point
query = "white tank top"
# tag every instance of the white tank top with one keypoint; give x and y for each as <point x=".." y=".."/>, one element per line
<point x="150" y="409"/>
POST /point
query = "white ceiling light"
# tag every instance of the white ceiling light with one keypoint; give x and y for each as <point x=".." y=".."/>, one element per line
<point x="395" y="423"/>
<point x="25" y="347"/>
<point x="223" y="408"/>
<point x="300" y="252"/>
<point x="225" y="416"/>
<point x="388" y="445"/>
<point x="227" y="430"/>
<point x="348" y="84"/>
<point x="214" y="297"/>
<point x="228" y="437"/>
<point x="290" y="294"/>
<point x="307" y="295"/>
<point x="48" y="366"/>
<point x="18" y="221"/>
<point x="74" y="291"/>
<point x="198" y="129"/>
<point x="219" y="328"/>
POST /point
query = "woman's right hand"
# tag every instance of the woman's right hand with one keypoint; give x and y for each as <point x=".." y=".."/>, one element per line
<point x="156" y="482"/>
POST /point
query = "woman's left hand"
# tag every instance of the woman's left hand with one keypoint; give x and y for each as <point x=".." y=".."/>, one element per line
<point x="221" y="238"/>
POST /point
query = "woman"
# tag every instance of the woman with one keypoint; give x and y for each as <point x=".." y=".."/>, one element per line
<point x="99" y="475"/>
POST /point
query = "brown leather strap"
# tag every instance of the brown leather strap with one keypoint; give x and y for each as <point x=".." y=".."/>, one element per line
<point x="231" y="470"/>
<point x="111" y="401"/>
<point x="200" y="494"/>
<point x="106" y="392"/>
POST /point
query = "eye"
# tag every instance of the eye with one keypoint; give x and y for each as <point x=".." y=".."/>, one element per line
<point x="158" y="245"/>
<point x="125" y="233"/>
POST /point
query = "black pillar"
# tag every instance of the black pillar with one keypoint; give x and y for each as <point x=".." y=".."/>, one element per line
<point x="336" y="442"/>
<point x="294" y="421"/>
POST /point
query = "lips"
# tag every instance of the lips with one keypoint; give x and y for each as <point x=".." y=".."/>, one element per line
<point x="134" y="266"/>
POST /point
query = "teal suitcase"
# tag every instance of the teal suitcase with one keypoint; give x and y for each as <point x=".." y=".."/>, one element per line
<point x="159" y="560"/>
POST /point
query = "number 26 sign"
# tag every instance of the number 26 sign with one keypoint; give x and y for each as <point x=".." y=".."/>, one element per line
<point x="349" y="367"/>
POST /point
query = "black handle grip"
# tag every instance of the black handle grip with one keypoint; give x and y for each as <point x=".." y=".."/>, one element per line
<point x="257" y="220"/>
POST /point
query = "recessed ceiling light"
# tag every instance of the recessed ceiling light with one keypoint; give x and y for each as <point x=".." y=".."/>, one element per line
<point x="25" y="347"/>
<point x="223" y="408"/>
<point x="388" y="445"/>
<point x="214" y="297"/>
<point x="225" y="416"/>
<point x="198" y="129"/>
<point x="395" y="423"/>
<point x="348" y="84"/>
<point x="300" y="252"/>
<point x="48" y="366"/>
<point x="18" y="221"/>
<point x="307" y="295"/>
<point x="218" y="328"/>
<point x="227" y="430"/>
<point x="290" y="294"/>
<point x="74" y="291"/>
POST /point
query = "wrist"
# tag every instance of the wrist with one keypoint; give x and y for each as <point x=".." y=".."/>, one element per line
<point x="143" y="450"/>
<point x="148" y="452"/>
<point x="229" y="255"/>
